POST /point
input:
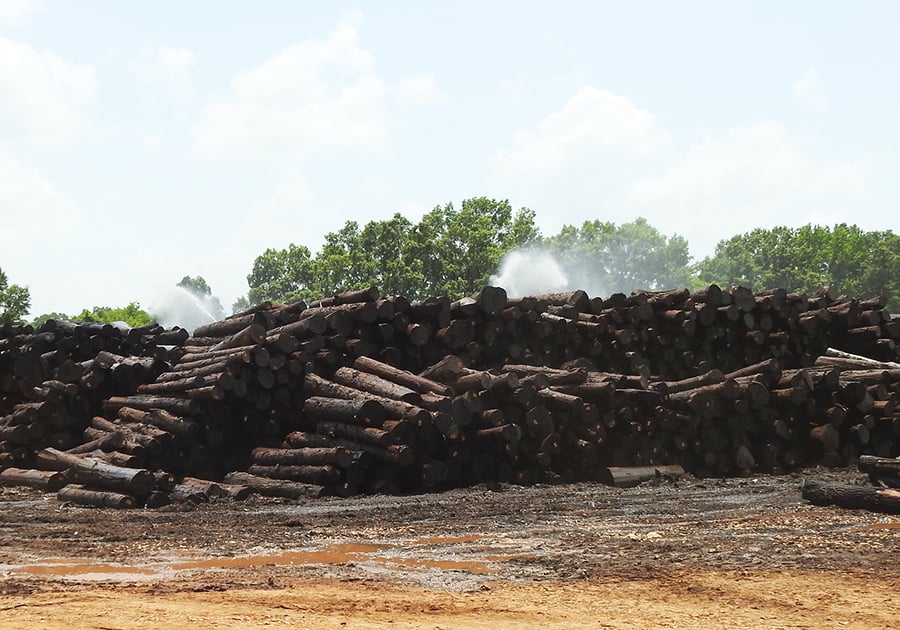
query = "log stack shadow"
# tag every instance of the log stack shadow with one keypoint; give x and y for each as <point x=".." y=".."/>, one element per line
<point x="363" y="394"/>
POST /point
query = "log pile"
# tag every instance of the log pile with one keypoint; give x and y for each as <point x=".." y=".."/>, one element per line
<point x="358" y="393"/>
<point x="55" y="378"/>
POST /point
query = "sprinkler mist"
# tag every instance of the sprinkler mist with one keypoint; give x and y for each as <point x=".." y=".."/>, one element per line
<point x="177" y="306"/>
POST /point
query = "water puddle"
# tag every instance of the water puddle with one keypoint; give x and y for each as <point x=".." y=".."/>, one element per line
<point x="334" y="554"/>
<point x="448" y="540"/>
<point x="397" y="557"/>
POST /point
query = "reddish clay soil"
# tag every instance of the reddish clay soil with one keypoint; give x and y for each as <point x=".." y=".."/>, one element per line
<point x="741" y="553"/>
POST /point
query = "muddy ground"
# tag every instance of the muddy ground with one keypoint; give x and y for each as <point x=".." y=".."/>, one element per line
<point x="692" y="553"/>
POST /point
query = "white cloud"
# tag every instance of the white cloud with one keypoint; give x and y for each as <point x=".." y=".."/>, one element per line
<point x="808" y="92"/>
<point x="42" y="96"/>
<point x="319" y="93"/>
<point x="420" y="89"/>
<point x="166" y="68"/>
<point x="750" y="176"/>
<point x="34" y="215"/>
<point x="594" y="125"/>
<point x="18" y="12"/>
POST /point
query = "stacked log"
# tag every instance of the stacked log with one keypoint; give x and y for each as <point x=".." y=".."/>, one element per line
<point x="358" y="393"/>
<point x="55" y="378"/>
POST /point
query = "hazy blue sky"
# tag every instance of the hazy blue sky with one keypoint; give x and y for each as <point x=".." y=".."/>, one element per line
<point x="141" y="142"/>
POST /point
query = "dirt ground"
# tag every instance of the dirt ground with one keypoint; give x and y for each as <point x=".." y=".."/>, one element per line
<point x="740" y="553"/>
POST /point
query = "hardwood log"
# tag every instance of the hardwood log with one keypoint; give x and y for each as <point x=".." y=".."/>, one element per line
<point x="275" y="487"/>
<point x="81" y="495"/>
<point x="365" y="412"/>
<point x="375" y="384"/>
<point x="851" y="497"/>
<point x="319" y="475"/>
<point x="46" y="480"/>
<point x="96" y="473"/>
<point x="337" y="455"/>
<point x="414" y="382"/>
<point x="879" y="466"/>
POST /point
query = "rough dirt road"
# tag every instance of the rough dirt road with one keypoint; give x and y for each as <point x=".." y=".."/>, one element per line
<point x="745" y="553"/>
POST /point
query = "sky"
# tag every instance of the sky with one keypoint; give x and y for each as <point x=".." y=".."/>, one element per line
<point x="142" y="142"/>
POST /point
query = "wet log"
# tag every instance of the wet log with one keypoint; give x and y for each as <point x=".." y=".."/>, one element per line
<point x="46" y="480"/>
<point x="162" y="419"/>
<point x="363" y="412"/>
<point x="81" y="495"/>
<point x="414" y="382"/>
<point x="879" y="466"/>
<point x="231" y="325"/>
<point x="252" y="334"/>
<point x="96" y="473"/>
<point x="631" y="476"/>
<point x="315" y="385"/>
<point x="398" y="454"/>
<point x="369" y="294"/>
<point x="851" y="497"/>
<point x="337" y="455"/>
<point x="192" y="495"/>
<point x="375" y="384"/>
<point x="319" y="475"/>
<point x="275" y="487"/>
<point x="236" y="492"/>
<point x="177" y="406"/>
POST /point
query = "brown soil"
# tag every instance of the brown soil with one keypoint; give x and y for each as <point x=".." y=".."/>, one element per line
<point x="743" y="553"/>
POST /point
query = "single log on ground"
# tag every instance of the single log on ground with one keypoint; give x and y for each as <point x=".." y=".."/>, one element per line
<point x="851" y="497"/>
<point x="81" y="495"/>
<point x="97" y="473"/>
<point x="214" y="489"/>
<point x="275" y="487"/>
<point x="47" y="480"/>
<point x="880" y="466"/>
<point x="629" y="477"/>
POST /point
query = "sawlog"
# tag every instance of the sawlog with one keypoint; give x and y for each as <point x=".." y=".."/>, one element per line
<point x="851" y="497"/>
<point x="629" y="477"/>
<point x="275" y="487"/>
<point x="81" y="495"/>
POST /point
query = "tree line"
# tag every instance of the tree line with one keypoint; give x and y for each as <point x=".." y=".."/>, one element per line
<point x="454" y="251"/>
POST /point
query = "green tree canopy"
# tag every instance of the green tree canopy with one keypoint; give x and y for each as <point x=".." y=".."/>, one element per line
<point x="604" y="258"/>
<point x="14" y="301"/>
<point x="132" y="314"/>
<point x="449" y="252"/>
<point x="857" y="263"/>
<point x="282" y="275"/>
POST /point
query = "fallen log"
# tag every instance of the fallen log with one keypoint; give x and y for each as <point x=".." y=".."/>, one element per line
<point x="631" y="476"/>
<point x="80" y="495"/>
<point x="879" y="466"/>
<point x="851" y="497"/>
<point x="96" y="473"/>
<point x="46" y="480"/>
<point x="275" y="487"/>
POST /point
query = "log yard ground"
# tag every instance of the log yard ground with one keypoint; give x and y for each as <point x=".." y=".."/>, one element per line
<point x="689" y="553"/>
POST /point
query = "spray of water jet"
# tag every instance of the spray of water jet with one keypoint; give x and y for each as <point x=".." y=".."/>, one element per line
<point x="530" y="272"/>
<point x="177" y="306"/>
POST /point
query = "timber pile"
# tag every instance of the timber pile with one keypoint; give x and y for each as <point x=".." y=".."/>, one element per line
<point x="55" y="378"/>
<point x="358" y="393"/>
